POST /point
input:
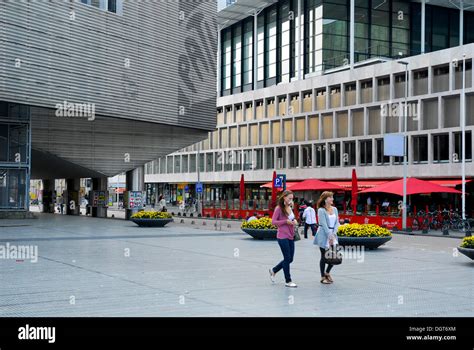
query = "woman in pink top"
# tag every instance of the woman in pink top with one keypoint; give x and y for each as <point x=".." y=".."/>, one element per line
<point x="284" y="219"/>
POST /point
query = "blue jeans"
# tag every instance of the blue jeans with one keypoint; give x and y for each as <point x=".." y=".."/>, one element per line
<point x="287" y="247"/>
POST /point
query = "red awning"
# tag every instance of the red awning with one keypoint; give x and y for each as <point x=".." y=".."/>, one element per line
<point x="414" y="186"/>
<point x="360" y="183"/>
<point x="315" y="185"/>
<point x="448" y="183"/>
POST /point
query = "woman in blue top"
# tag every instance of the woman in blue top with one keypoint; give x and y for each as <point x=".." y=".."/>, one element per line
<point x="326" y="236"/>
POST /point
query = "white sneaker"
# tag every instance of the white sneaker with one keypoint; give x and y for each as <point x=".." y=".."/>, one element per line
<point x="291" y="285"/>
<point x="272" y="275"/>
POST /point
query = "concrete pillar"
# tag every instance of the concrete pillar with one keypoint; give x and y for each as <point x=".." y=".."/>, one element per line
<point x="99" y="184"/>
<point x="71" y="196"/>
<point x="48" y="196"/>
<point x="135" y="181"/>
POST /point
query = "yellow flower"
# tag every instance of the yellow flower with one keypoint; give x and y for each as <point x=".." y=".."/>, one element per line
<point x="362" y="230"/>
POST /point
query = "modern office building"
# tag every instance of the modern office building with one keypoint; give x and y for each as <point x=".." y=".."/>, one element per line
<point x="94" y="88"/>
<point x="310" y="88"/>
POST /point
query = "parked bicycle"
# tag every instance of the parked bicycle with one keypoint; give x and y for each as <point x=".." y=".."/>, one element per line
<point x="421" y="221"/>
<point x="452" y="220"/>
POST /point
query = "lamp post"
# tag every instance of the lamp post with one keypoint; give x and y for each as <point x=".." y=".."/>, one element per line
<point x="463" y="136"/>
<point x="405" y="149"/>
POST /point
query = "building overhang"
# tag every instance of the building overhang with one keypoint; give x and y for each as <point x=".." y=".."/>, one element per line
<point x="240" y="10"/>
<point x="456" y="4"/>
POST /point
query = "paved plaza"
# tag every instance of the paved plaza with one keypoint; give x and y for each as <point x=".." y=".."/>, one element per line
<point x="106" y="267"/>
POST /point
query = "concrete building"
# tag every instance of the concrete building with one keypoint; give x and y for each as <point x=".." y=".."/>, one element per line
<point x="310" y="88"/>
<point x="94" y="88"/>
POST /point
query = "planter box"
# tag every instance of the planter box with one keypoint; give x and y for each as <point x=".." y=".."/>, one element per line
<point x="261" y="234"/>
<point x="367" y="242"/>
<point x="151" y="222"/>
<point x="469" y="252"/>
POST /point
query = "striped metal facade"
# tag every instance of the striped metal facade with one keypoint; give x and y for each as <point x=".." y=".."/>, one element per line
<point x="52" y="51"/>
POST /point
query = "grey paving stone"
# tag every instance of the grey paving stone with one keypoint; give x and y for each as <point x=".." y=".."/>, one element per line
<point x="113" y="268"/>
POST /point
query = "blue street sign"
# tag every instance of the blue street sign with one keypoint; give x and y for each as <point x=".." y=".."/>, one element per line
<point x="280" y="181"/>
<point x="199" y="187"/>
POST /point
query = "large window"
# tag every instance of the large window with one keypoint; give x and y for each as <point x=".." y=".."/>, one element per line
<point x="313" y="36"/>
<point x="219" y="160"/>
<point x="226" y="60"/>
<point x="281" y="157"/>
<point x="349" y="156"/>
<point x="400" y="28"/>
<point x="320" y="155"/>
<point x="260" y="49"/>
<point x="247" y="74"/>
<point x="209" y="162"/>
<point x="269" y="158"/>
<point x="286" y="43"/>
<point x="177" y="164"/>
<point x="441" y="27"/>
<point x="380" y="28"/>
<point x="294" y="157"/>
<point x="258" y="159"/>
<point x="440" y="151"/>
<point x="365" y="152"/>
<point x="335" y="154"/>
<point x="13" y="143"/>
<point x="237" y="159"/>
<point x="13" y="189"/>
<point x="335" y="34"/>
<point x="362" y="29"/>
<point x="307" y="156"/>
<point x="271" y="46"/>
<point x="420" y="149"/>
<point x="458" y="147"/>
<point x="236" y="58"/>
<point x="192" y="163"/>
<point x="201" y="162"/>
<point x="381" y="159"/>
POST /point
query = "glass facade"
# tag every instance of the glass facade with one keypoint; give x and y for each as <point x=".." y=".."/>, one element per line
<point x="383" y="28"/>
<point x="14" y="157"/>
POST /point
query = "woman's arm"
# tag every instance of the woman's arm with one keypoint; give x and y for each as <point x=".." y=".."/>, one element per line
<point x="277" y="219"/>
<point x="337" y="224"/>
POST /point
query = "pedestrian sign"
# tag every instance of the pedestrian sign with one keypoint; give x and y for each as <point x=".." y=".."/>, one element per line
<point x="199" y="187"/>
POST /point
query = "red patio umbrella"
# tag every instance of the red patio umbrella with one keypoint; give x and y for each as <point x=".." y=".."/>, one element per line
<point x="355" y="189"/>
<point x="315" y="185"/>
<point x="274" y="190"/>
<point x="414" y="186"/>
<point x="242" y="190"/>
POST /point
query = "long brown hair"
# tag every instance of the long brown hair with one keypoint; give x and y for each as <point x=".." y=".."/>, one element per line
<point x="322" y="199"/>
<point x="281" y="200"/>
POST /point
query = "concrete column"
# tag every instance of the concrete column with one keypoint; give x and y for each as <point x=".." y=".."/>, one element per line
<point x="99" y="184"/>
<point x="48" y="196"/>
<point x="135" y="181"/>
<point x="352" y="33"/>
<point x="71" y="196"/>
